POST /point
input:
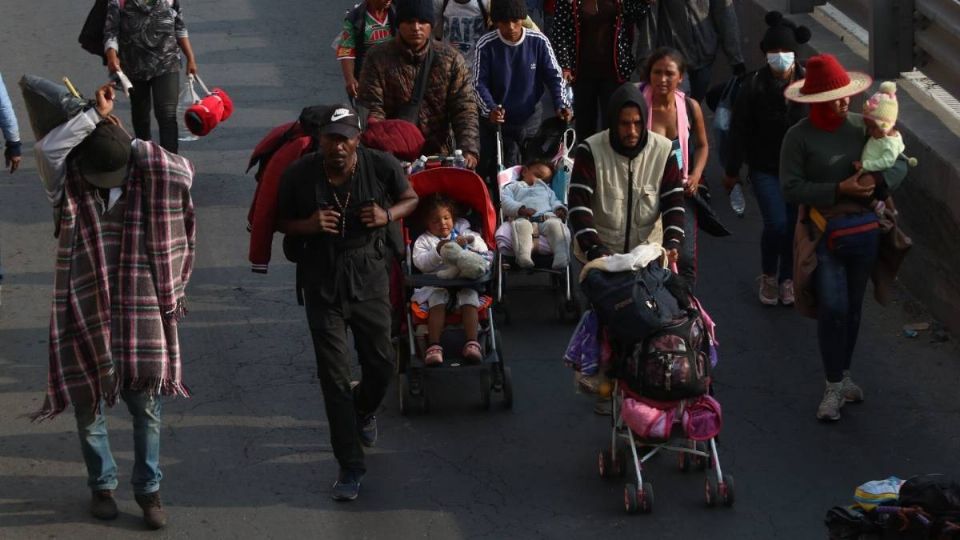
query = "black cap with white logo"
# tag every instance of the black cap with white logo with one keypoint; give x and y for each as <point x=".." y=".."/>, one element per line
<point x="341" y="120"/>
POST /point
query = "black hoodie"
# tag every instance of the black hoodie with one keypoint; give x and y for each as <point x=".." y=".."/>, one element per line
<point x="583" y="181"/>
<point x="627" y="95"/>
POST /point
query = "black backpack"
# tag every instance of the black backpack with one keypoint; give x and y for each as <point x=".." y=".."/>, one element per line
<point x="633" y="305"/>
<point x="91" y="35"/>
<point x="672" y="363"/>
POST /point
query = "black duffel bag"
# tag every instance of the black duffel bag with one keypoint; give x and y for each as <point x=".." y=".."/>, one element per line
<point x="633" y="305"/>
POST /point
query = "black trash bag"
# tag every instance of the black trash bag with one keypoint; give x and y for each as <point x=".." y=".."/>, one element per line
<point x="939" y="497"/>
<point x="49" y="104"/>
<point x="707" y="219"/>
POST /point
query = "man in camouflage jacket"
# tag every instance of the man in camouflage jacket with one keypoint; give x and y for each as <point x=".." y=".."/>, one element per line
<point x="390" y="72"/>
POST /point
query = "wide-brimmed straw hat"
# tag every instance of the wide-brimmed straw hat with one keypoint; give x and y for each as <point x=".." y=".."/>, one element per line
<point x="826" y="80"/>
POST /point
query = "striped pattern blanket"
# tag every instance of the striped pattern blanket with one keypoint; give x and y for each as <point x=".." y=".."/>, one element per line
<point x="119" y="288"/>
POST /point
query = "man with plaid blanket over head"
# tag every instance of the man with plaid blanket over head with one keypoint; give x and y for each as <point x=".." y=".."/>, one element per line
<point x="124" y="257"/>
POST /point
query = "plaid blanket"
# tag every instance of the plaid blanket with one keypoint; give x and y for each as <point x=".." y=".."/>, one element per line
<point x="119" y="286"/>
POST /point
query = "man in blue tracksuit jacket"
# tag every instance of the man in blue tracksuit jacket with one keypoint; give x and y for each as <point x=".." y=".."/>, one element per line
<point x="512" y="66"/>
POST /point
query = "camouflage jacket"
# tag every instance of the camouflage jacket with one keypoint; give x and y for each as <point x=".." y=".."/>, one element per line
<point x="386" y="84"/>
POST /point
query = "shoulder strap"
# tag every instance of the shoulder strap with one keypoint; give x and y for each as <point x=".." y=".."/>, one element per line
<point x="691" y="121"/>
<point x="420" y="87"/>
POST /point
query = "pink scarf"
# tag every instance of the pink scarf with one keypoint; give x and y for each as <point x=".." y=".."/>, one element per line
<point x="683" y="124"/>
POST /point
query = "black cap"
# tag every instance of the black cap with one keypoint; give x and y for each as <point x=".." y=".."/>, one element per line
<point x="103" y="156"/>
<point x="419" y="10"/>
<point x="508" y="10"/>
<point x="341" y="120"/>
<point x="783" y="33"/>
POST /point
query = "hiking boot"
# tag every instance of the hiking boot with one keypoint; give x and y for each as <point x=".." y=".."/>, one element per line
<point x="769" y="290"/>
<point x="103" y="505"/>
<point x="851" y="392"/>
<point x="153" y="515"/>
<point x="829" y="409"/>
<point x="347" y="486"/>
<point x="368" y="430"/>
<point x="787" y="297"/>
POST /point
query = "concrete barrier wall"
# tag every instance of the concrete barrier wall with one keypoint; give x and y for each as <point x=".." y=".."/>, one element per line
<point x="929" y="201"/>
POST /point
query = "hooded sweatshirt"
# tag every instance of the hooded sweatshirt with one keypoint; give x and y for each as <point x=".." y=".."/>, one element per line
<point x="619" y="193"/>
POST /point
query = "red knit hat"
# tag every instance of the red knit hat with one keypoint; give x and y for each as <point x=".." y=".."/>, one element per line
<point x="826" y="80"/>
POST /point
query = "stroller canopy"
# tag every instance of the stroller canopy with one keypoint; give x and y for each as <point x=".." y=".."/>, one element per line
<point x="463" y="186"/>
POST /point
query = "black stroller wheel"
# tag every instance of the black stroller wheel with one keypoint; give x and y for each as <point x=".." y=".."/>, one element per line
<point x="711" y="491"/>
<point x="630" y="503"/>
<point x="645" y="498"/>
<point x="507" y="388"/>
<point x="726" y="491"/>
<point x="486" y="388"/>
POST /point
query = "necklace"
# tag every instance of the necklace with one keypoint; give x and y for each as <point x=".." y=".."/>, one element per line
<point x="342" y="206"/>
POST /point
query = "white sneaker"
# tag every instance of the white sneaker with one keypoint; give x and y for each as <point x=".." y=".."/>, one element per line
<point x="831" y="403"/>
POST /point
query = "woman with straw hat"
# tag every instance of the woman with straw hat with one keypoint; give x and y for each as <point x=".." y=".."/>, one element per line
<point x="838" y="236"/>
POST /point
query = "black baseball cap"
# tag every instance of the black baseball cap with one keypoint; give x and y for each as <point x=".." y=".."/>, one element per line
<point x="103" y="156"/>
<point x="341" y="120"/>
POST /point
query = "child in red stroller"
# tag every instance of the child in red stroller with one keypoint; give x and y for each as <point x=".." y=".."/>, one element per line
<point x="418" y="348"/>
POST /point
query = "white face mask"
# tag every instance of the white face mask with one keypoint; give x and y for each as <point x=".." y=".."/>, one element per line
<point x="780" y="62"/>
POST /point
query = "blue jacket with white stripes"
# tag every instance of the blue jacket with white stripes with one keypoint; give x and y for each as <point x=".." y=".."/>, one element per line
<point x="514" y="75"/>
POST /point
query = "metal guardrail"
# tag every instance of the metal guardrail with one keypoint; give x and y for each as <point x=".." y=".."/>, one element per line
<point x="922" y="34"/>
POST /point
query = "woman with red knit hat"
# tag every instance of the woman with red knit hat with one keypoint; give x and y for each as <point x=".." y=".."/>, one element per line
<point x="838" y="236"/>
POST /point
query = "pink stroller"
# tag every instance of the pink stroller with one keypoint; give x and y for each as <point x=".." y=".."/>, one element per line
<point x="662" y="402"/>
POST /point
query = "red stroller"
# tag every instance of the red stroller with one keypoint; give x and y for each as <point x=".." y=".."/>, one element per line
<point x="468" y="189"/>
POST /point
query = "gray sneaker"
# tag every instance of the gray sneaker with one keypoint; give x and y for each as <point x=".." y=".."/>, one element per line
<point x="851" y="392"/>
<point x="347" y="486"/>
<point x="833" y="400"/>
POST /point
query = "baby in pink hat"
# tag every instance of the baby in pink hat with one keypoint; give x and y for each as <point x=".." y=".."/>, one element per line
<point x="885" y="144"/>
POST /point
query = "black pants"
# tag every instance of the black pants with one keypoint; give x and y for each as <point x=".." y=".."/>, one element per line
<point x="370" y="322"/>
<point x="164" y="91"/>
<point x="513" y="139"/>
<point x="590" y="99"/>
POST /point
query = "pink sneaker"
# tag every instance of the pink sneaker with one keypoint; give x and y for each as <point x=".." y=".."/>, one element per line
<point x="768" y="290"/>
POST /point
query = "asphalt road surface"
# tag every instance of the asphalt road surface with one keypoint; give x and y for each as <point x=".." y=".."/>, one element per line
<point x="248" y="456"/>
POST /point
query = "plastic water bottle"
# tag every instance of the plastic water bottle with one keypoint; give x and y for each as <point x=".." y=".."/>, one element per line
<point x="418" y="165"/>
<point x="737" y="202"/>
<point x="458" y="160"/>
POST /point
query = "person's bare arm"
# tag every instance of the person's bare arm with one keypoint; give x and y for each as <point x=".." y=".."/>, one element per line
<point x="695" y="175"/>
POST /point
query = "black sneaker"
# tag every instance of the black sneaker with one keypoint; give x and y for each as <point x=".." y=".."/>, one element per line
<point x="347" y="486"/>
<point x="368" y="430"/>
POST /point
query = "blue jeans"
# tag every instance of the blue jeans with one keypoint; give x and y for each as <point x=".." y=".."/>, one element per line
<point x="841" y="282"/>
<point x="95" y="444"/>
<point x="779" y="223"/>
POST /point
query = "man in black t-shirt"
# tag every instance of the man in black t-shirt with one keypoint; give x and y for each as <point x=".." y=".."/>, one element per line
<point x="340" y="200"/>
